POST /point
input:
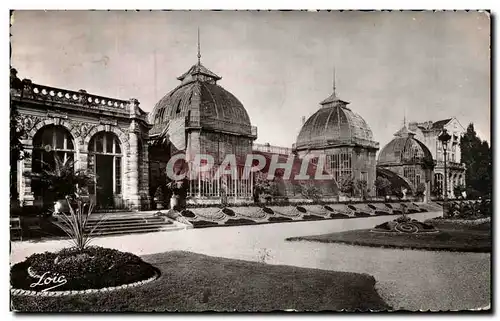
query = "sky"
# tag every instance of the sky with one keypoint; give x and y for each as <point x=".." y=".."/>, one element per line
<point x="388" y="65"/>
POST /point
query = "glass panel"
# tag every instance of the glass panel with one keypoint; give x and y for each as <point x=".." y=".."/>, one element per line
<point x="118" y="171"/>
<point x="109" y="143"/>
<point x="59" y="138"/>
<point x="47" y="136"/>
<point x="99" y="143"/>
<point x="69" y="143"/>
<point x="37" y="161"/>
<point x="117" y="147"/>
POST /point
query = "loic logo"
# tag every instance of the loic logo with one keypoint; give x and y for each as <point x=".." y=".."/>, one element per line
<point x="49" y="278"/>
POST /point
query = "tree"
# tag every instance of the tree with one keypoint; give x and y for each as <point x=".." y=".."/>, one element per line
<point x="382" y="186"/>
<point x="310" y="191"/>
<point x="361" y="187"/>
<point x="476" y="155"/>
<point x="420" y="190"/>
<point x="346" y="184"/>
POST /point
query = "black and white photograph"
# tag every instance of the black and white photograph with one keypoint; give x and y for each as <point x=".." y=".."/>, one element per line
<point x="250" y="161"/>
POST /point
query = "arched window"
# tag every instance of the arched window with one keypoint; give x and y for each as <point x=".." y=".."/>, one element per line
<point x="50" y="142"/>
<point x="105" y="159"/>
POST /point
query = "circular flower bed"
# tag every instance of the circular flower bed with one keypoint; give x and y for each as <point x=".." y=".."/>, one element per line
<point x="74" y="270"/>
<point x="405" y="225"/>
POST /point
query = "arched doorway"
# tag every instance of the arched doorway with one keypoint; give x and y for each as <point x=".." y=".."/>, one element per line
<point x="105" y="160"/>
<point x="53" y="148"/>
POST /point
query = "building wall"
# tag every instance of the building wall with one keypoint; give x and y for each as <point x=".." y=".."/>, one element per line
<point x="363" y="162"/>
<point x="84" y="115"/>
<point x="455" y="169"/>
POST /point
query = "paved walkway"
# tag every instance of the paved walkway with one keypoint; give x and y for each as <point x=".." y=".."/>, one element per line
<point x="406" y="279"/>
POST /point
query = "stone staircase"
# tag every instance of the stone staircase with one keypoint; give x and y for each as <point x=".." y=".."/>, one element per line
<point x="128" y="223"/>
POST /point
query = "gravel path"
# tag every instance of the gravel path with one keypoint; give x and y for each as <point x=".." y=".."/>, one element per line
<point x="406" y="279"/>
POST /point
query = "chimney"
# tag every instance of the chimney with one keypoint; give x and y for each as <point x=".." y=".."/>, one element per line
<point x="303" y="120"/>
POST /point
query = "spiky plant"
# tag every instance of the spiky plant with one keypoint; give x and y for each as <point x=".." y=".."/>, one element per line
<point x="62" y="179"/>
<point x="75" y="225"/>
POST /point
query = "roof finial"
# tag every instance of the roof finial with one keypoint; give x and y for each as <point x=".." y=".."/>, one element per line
<point x="334" y="87"/>
<point x="199" y="52"/>
<point x="404" y="117"/>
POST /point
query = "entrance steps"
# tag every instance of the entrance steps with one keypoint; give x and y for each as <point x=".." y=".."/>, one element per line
<point x="129" y="222"/>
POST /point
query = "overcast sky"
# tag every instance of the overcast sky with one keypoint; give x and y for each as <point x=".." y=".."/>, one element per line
<point x="428" y="65"/>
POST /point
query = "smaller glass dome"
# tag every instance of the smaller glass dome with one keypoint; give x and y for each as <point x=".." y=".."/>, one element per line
<point x="405" y="149"/>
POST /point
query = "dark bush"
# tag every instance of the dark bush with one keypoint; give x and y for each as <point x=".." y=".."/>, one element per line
<point x="412" y="211"/>
<point x="397" y="212"/>
<point x="239" y="221"/>
<point x="203" y="223"/>
<point x="328" y="208"/>
<point x="301" y="209"/>
<point x="361" y="214"/>
<point x="373" y="207"/>
<point x="279" y="219"/>
<point x="94" y="268"/>
<point x="422" y="210"/>
<point x="352" y="207"/>
<point x="383" y="226"/>
<point x="228" y="211"/>
<point x="312" y="217"/>
<point x="388" y="205"/>
<point x="188" y="213"/>
<point x="339" y="215"/>
<point x="381" y="213"/>
<point x="267" y="210"/>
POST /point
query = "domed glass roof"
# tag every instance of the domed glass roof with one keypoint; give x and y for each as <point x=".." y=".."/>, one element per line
<point x="404" y="149"/>
<point x="203" y="103"/>
<point x="334" y="124"/>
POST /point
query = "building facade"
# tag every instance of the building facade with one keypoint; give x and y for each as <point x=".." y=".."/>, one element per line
<point x="105" y="135"/>
<point x="427" y="133"/>
<point x="408" y="158"/>
<point x="343" y="137"/>
<point x="201" y="117"/>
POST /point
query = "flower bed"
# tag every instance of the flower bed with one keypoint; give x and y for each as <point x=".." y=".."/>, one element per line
<point x="339" y="215"/>
<point x="202" y="223"/>
<point x="444" y="223"/>
<point x="405" y="224"/>
<point x="279" y="219"/>
<point x="239" y="221"/>
<point x="93" y="268"/>
<point x="361" y="214"/>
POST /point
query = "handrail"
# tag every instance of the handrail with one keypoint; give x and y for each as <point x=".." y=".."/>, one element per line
<point x="81" y="98"/>
<point x="266" y="148"/>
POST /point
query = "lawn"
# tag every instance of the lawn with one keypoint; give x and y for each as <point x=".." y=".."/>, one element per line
<point x="449" y="238"/>
<point x="195" y="282"/>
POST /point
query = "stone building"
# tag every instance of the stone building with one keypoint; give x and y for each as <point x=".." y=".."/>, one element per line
<point x="201" y="117"/>
<point x="106" y="135"/>
<point x="428" y="132"/>
<point x="408" y="158"/>
<point x="343" y="137"/>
